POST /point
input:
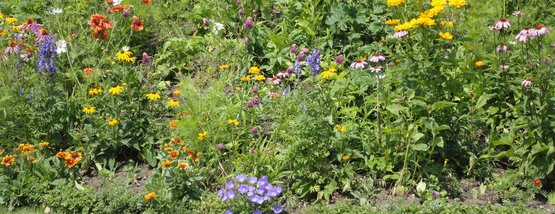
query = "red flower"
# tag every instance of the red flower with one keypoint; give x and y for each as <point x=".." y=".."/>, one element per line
<point x="137" y="24"/>
<point x="100" y="24"/>
<point x="147" y="2"/>
<point x="537" y="182"/>
<point x="120" y="8"/>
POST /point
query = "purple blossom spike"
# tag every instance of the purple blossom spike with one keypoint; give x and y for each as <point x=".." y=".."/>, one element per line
<point x="47" y="54"/>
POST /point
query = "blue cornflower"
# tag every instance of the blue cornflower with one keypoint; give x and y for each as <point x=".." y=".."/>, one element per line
<point x="47" y="54"/>
<point x="314" y="61"/>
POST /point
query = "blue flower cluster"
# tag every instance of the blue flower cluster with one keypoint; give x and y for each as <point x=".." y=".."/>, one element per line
<point x="258" y="190"/>
<point x="314" y="61"/>
<point x="47" y="53"/>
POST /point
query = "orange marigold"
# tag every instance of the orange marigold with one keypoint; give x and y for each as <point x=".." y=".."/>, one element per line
<point x="150" y="196"/>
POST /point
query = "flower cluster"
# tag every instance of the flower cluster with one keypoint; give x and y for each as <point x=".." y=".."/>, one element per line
<point x="257" y="190"/>
<point x="47" y="54"/>
<point x="70" y="158"/>
<point x="100" y="25"/>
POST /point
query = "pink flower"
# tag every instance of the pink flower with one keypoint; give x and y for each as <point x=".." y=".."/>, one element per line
<point x="274" y="80"/>
<point x="300" y="56"/>
<point x="359" y="64"/>
<point x="503" y="67"/>
<point x="285" y="73"/>
<point x="518" y="13"/>
<point x="339" y="59"/>
<point x="502" y="23"/>
<point x="527" y="83"/>
<point x="400" y="34"/>
<point x="540" y="30"/>
<point x="524" y="35"/>
<point x="293" y="48"/>
<point x="377" y="58"/>
<point x="249" y="23"/>
<point x="502" y="48"/>
<point x="376" y="69"/>
<point x="205" y="22"/>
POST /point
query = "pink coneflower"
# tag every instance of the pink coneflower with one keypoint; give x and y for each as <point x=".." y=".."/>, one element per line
<point x="359" y="64"/>
<point x="275" y="80"/>
<point x="503" y="67"/>
<point x="524" y="35"/>
<point x="12" y="48"/>
<point x="285" y="73"/>
<point x="527" y="83"/>
<point x="376" y="69"/>
<point x="377" y="58"/>
<point x="540" y="30"/>
<point x="502" y="24"/>
<point x="25" y="57"/>
<point x="518" y="13"/>
<point x="502" y="48"/>
<point x="400" y="34"/>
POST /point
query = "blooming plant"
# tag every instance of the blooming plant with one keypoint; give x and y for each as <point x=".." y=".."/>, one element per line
<point x="256" y="190"/>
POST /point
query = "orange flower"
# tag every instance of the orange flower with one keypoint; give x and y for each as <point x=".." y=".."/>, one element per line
<point x="62" y="154"/>
<point x="120" y="8"/>
<point x="43" y="144"/>
<point x="8" y="160"/>
<point x="183" y="165"/>
<point x="137" y="24"/>
<point x="87" y="71"/>
<point x="70" y="162"/>
<point x="177" y="141"/>
<point x="77" y="156"/>
<point x="43" y="32"/>
<point x="150" y="196"/>
<point x="193" y="155"/>
<point x="100" y="25"/>
<point x="147" y="2"/>
<point x="537" y="182"/>
<point x="25" y="148"/>
<point x="172" y="124"/>
<point x="183" y="113"/>
<point x="166" y="163"/>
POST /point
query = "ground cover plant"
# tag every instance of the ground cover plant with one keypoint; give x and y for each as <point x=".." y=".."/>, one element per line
<point x="254" y="106"/>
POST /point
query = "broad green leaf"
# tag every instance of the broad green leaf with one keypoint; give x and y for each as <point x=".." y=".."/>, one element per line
<point x="420" y="147"/>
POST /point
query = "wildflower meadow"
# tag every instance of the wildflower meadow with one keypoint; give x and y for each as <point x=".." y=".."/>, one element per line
<point x="285" y="106"/>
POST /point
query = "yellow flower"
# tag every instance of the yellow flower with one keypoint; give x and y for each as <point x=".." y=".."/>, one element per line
<point x="25" y="148"/>
<point x="449" y="24"/>
<point x="479" y="63"/>
<point x="177" y="92"/>
<point x="125" y="55"/>
<point x="392" y="21"/>
<point x="89" y="109"/>
<point x="8" y="160"/>
<point x="183" y="165"/>
<point x="245" y="78"/>
<point x="150" y="196"/>
<point x="233" y="121"/>
<point x="446" y="35"/>
<point x="202" y="135"/>
<point x="259" y="78"/>
<point x="95" y="91"/>
<point x="392" y="3"/>
<point x="224" y="66"/>
<point x="167" y="163"/>
<point x="341" y="129"/>
<point x="345" y="157"/>
<point x="254" y="70"/>
<point x="11" y="20"/>
<point x="3" y="32"/>
<point x="438" y="3"/>
<point x="43" y="144"/>
<point x="115" y="90"/>
<point x="173" y="102"/>
<point x="112" y="121"/>
<point x="1" y="15"/>
<point x="16" y="28"/>
<point x="457" y="3"/>
<point x="153" y="96"/>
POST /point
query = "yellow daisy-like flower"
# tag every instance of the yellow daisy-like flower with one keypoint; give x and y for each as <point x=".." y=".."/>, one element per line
<point x="341" y="129"/>
<point x="183" y="165"/>
<point x="125" y="55"/>
<point x="393" y="3"/>
<point x="479" y="63"/>
<point x="392" y="21"/>
<point x="8" y="160"/>
<point x="224" y="66"/>
<point x="328" y="73"/>
<point x="177" y="92"/>
<point x="202" y="135"/>
<point x="259" y="78"/>
<point x="43" y="144"/>
<point x="245" y="78"/>
<point x="446" y="35"/>
<point x="89" y="109"/>
<point x="95" y="91"/>
<point x="233" y="121"/>
<point x="3" y="32"/>
<point x="1" y="15"/>
<point x="254" y="70"/>
<point x="457" y="3"/>
<point x="11" y="20"/>
<point x="112" y="121"/>
<point x="173" y="102"/>
<point x="345" y="157"/>
<point x="438" y="3"/>
<point x="115" y="90"/>
<point x="153" y="96"/>
<point x="16" y="28"/>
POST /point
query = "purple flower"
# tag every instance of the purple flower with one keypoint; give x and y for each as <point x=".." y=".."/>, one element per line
<point x="228" y="195"/>
<point x="275" y="191"/>
<point x="254" y="89"/>
<point x="252" y="180"/>
<point x="205" y="22"/>
<point x="502" y="48"/>
<point x="359" y="64"/>
<point x="262" y="181"/>
<point x="314" y="61"/>
<point x="524" y="35"/>
<point x="435" y="194"/>
<point x="339" y="59"/>
<point x="249" y="23"/>
<point x="527" y="83"/>
<point x="254" y="130"/>
<point x="502" y="24"/>
<point x="277" y="209"/>
<point x="377" y="58"/>
<point x="241" y="177"/>
<point x="146" y="58"/>
<point x="238" y="1"/>
<point x="254" y="101"/>
<point x="256" y="199"/>
<point x="126" y="13"/>
<point x="257" y="212"/>
<point x="47" y="54"/>
<point x="293" y="48"/>
<point x="300" y="56"/>
<point x="243" y="188"/>
<point x="400" y="34"/>
<point x="228" y="211"/>
<point x="297" y="68"/>
<point x="230" y="184"/>
<point x="220" y="147"/>
<point x="241" y="12"/>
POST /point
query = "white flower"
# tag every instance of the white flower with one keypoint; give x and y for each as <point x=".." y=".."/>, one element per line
<point x="55" y="11"/>
<point x="125" y="48"/>
<point x="61" y="46"/>
<point x="117" y="2"/>
<point x="218" y="26"/>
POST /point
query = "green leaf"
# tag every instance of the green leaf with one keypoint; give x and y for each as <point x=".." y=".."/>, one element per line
<point x="442" y="104"/>
<point x="396" y="108"/>
<point x="482" y="101"/>
<point x="420" y="147"/>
